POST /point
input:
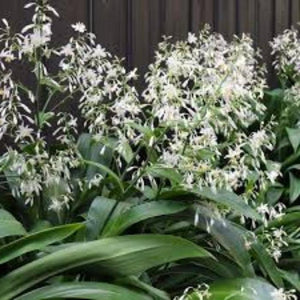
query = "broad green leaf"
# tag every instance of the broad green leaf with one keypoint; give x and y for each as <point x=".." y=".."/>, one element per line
<point x="150" y="290"/>
<point x="50" y="82"/>
<point x="290" y="161"/>
<point x="231" y="237"/>
<point x="119" y="256"/>
<point x="165" y="173"/>
<point x="223" y="267"/>
<point x="136" y="214"/>
<point x="276" y="93"/>
<point x="98" y="214"/>
<point x="294" y="188"/>
<point x="9" y="226"/>
<point x="84" y="290"/>
<point x="45" y="117"/>
<point x="145" y="130"/>
<point x="177" y="276"/>
<point x="292" y="277"/>
<point x="108" y="171"/>
<point x="267" y="263"/>
<point x="205" y="154"/>
<point x="94" y="151"/>
<point x="229" y="199"/>
<point x="294" y="167"/>
<point x="40" y="225"/>
<point x="125" y="151"/>
<point x="242" y="289"/>
<point x="294" y="137"/>
<point x="36" y="241"/>
<point x="274" y="194"/>
<point x="292" y="218"/>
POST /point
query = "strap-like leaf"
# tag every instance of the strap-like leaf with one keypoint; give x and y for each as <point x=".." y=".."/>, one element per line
<point x="242" y="289"/>
<point x="120" y="256"/>
<point x="229" y="199"/>
<point x="36" y="241"/>
<point x="84" y="290"/>
<point x="141" y="212"/>
<point x="9" y="226"/>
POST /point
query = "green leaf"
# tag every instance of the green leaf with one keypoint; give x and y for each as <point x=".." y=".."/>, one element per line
<point x="242" y="289"/>
<point x="294" y="167"/>
<point x="276" y="93"/>
<point x="165" y="173"/>
<point x="267" y="263"/>
<point x="274" y="194"/>
<point x="84" y="290"/>
<point x="231" y="237"/>
<point x="135" y="282"/>
<point x="36" y="241"/>
<point x="108" y="171"/>
<point x="292" y="277"/>
<point x="292" y="218"/>
<point x="9" y="226"/>
<point x="229" y="199"/>
<point x="45" y="117"/>
<point x="93" y="151"/>
<point x="294" y="137"/>
<point x="136" y="214"/>
<point x="125" y="151"/>
<point x="294" y="188"/>
<point x="48" y="81"/>
<point x="119" y="256"/>
<point x="99" y="212"/>
<point x="145" y="130"/>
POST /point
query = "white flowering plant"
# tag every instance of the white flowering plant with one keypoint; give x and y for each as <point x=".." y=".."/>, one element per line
<point x="29" y="115"/>
<point x="139" y="196"/>
<point x="70" y="182"/>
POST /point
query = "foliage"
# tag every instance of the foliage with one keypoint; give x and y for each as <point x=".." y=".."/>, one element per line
<point x="189" y="190"/>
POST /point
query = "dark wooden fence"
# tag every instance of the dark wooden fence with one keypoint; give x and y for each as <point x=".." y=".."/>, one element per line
<point x="132" y="28"/>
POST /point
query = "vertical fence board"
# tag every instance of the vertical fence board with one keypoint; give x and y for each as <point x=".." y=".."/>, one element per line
<point x="14" y="12"/>
<point x="18" y="17"/>
<point x="133" y="28"/>
<point x="202" y="13"/>
<point x="62" y="31"/>
<point x="62" y="26"/>
<point x="265" y="32"/>
<point x="176" y="18"/>
<point x="110" y="22"/>
<point x="282" y="16"/>
<point x="295" y="12"/>
<point x="146" y="31"/>
<point x="226" y="17"/>
<point x="247" y="17"/>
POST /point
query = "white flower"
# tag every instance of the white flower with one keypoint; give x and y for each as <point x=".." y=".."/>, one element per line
<point x="170" y="159"/>
<point x="67" y="50"/>
<point x="192" y="39"/>
<point x="79" y="27"/>
<point x="206" y="92"/>
<point x="276" y="254"/>
<point x="280" y="294"/>
<point x="24" y="132"/>
<point x="263" y="209"/>
<point x="95" y="181"/>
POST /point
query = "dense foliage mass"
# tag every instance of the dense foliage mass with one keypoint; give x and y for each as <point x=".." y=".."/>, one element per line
<point x="188" y="190"/>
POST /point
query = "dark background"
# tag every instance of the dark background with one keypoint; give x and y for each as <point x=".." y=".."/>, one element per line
<point x="132" y="28"/>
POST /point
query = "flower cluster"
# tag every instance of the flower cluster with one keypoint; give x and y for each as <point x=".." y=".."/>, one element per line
<point x="29" y="115"/>
<point x="107" y="100"/>
<point x="207" y="93"/>
<point x="199" y="293"/>
<point x="280" y="294"/>
<point x="286" y="48"/>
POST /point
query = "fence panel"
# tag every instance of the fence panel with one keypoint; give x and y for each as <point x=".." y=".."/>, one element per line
<point x="133" y="28"/>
